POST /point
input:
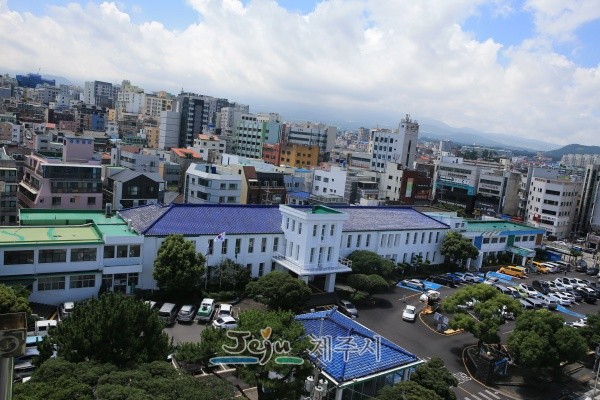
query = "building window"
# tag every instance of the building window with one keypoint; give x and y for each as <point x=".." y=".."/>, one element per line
<point x="134" y="190"/>
<point x="437" y="237"/>
<point x="329" y="250"/>
<point x="251" y="245"/>
<point x="134" y="250"/>
<point x="82" y="281"/>
<point x="18" y="257"/>
<point x="72" y="199"/>
<point x="87" y="254"/>
<point x="407" y="237"/>
<point x="358" y="240"/>
<point x="122" y="251"/>
<point x="109" y="251"/>
<point x="238" y="246"/>
<point x="503" y="239"/>
<point x="314" y="230"/>
<point x="312" y="255"/>
<point x="261" y="269"/>
<point x="56" y="201"/>
<point x="293" y="225"/>
<point x="275" y="244"/>
<point x="332" y="230"/>
<point x="263" y="244"/>
<point x="51" y="283"/>
<point x="224" y="247"/>
<point x="52" y="256"/>
<point x="349" y="242"/>
<point x="486" y="240"/>
<point x="211" y="245"/>
<point x="430" y="235"/>
<point x="368" y="241"/>
<point x="91" y="201"/>
<point x="299" y="227"/>
<point x="415" y="238"/>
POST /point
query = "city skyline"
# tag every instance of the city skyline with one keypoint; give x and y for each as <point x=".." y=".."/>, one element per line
<point x="523" y="68"/>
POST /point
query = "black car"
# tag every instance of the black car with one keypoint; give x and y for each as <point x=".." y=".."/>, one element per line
<point x="580" y="268"/>
<point x="442" y="280"/>
<point x="574" y="293"/>
<point x="592" y="271"/>
<point x="541" y="287"/>
<point x="587" y="296"/>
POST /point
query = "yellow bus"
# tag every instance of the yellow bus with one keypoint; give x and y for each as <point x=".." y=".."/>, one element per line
<point x="540" y="267"/>
<point x="513" y="270"/>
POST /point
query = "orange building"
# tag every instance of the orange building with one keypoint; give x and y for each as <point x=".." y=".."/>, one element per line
<point x="299" y="156"/>
<point x="271" y="153"/>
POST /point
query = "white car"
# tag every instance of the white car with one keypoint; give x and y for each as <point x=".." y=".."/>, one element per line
<point x="565" y="283"/>
<point x="562" y="299"/>
<point x="224" y="310"/>
<point x="410" y="313"/>
<point x="429" y="295"/>
<point x="554" y="298"/>
<point x="561" y="287"/>
<point x="527" y="289"/>
<point x="491" y="280"/>
<point x="470" y="277"/>
<point x="225" y="322"/>
<point x="414" y="284"/>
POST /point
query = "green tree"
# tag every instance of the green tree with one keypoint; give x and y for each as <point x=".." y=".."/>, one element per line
<point x="112" y="329"/>
<point x="368" y="283"/>
<point x="407" y="390"/>
<point x="230" y="276"/>
<point x="190" y="354"/>
<point x="541" y="339"/>
<point x="59" y="379"/>
<point x="280" y="290"/>
<point x="178" y="269"/>
<point x="457" y="247"/>
<point x="435" y="376"/>
<point x="369" y="263"/>
<point x="13" y="300"/>
<point x="273" y="380"/>
<point x="488" y="311"/>
<point x="591" y="332"/>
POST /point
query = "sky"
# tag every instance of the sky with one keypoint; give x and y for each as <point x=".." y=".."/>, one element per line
<point x="528" y="68"/>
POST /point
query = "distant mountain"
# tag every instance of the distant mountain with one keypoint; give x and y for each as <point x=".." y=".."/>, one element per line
<point x="438" y="130"/>
<point x="572" y="149"/>
<point x="60" y="80"/>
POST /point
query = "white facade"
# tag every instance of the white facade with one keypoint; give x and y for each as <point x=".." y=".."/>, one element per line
<point x="210" y="184"/>
<point x="168" y="136"/>
<point x="155" y="105"/>
<point x="330" y="181"/>
<point x="209" y="144"/>
<point x="310" y="134"/>
<point x="399" y="146"/>
<point x="552" y="201"/>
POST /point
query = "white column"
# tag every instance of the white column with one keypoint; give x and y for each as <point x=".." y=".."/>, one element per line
<point x="330" y="282"/>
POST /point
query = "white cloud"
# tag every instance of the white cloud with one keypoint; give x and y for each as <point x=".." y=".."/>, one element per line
<point x="360" y="60"/>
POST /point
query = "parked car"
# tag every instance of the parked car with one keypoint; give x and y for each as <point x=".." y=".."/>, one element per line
<point x="409" y="313"/>
<point x="492" y="280"/>
<point x="541" y="286"/>
<point x="442" y="280"/>
<point x="564" y="300"/>
<point x="591" y="271"/>
<point x="581" y="267"/>
<point x="347" y="308"/>
<point x="151" y="304"/>
<point x="586" y="295"/>
<point x="186" y="313"/>
<point x="552" y="302"/>
<point x="566" y="285"/>
<point x="502" y="289"/>
<point x="580" y="323"/>
<point x="457" y="279"/>
<point x="65" y="310"/>
<point x="526" y="304"/>
<point x="206" y="310"/>
<point x="514" y="292"/>
<point x="537" y="304"/>
<point x="470" y="277"/>
<point x="413" y="283"/>
<point x="224" y="310"/>
<point x="430" y="296"/>
<point x="225" y="322"/>
<point x="168" y="313"/>
<point x="526" y="289"/>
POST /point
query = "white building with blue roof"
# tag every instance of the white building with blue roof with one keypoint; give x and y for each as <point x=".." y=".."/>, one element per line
<point x="354" y="361"/>
<point x="309" y="242"/>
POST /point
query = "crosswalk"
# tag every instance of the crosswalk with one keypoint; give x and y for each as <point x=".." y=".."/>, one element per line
<point x="484" y="395"/>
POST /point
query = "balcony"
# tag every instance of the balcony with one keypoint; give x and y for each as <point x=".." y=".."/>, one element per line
<point x="341" y="266"/>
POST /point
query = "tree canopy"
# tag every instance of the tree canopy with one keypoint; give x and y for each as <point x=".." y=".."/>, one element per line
<point x="280" y="290"/>
<point x="541" y="339"/>
<point x="272" y="379"/>
<point x="368" y="283"/>
<point x="230" y="275"/>
<point x="435" y="376"/>
<point x="369" y="263"/>
<point x="487" y="318"/>
<point x="200" y="353"/>
<point x="13" y="300"/>
<point x="178" y="269"/>
<point x="112" y="329"/>
<point x="59" y="379"/>
<point x="591" y="332"/>
<point x="457" y="247"/>
<point x="407" y="390"/>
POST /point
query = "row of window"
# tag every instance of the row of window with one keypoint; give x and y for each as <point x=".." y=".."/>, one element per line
<point x="56" y="201"/>
<point x="58" y="282"/>
<point x="45" y="256"/>
<point x="252" y="245"/>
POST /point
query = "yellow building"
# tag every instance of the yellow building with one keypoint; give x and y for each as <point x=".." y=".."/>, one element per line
<point x="300" y="156"/>
<point x="111" y="115"/>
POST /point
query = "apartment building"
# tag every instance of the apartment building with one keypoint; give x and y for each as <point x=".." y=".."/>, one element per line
<point x="399" y="146"/>
<point x="156" y="103"/>
<point x="253" y="131"/>
<point x="209" y="147"/>
<point x="299" y="156"/>
<point x="310" y="134"/>
<point x="98" y="93"/>
<point x="212" y="184"/>
<point x="551" y="203"/>
<point x="8" y="189"/>
<point x="134" y="158"/>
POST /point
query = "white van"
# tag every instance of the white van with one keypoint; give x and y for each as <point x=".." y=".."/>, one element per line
<point x="42" y="327"/>
<point x="168" y="313"/>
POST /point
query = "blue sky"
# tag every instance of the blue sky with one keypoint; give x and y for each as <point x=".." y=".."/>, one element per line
<point x="528" y="68"/>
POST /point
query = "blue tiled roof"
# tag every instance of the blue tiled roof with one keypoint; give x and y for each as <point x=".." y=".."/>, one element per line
<point x="349" y="334"/>
<point x="211" y="219"/>
<point x="299" y="195"/>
